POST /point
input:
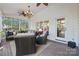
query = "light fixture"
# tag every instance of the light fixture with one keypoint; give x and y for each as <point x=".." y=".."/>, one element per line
<point x="28" y="13"/>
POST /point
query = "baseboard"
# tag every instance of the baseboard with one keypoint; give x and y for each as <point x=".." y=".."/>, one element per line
<point x="60" y="40"/>
<point x="56" y="41"/>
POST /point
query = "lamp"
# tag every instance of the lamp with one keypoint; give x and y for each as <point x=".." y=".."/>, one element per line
<point x="27" y="13"/>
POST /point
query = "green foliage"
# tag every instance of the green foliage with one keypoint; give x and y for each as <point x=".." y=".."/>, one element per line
<point x="15" y="24"/>
<point x="2" y="33"/>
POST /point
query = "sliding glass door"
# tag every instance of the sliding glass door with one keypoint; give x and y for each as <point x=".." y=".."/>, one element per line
<point x="61" y="29"/>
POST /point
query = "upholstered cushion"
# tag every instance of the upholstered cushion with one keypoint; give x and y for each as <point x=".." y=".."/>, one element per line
<point x="9" y="33"/>
<point x="71" y="44"/>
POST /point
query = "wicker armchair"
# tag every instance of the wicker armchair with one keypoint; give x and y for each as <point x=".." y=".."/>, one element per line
<point x="42" y="39"/>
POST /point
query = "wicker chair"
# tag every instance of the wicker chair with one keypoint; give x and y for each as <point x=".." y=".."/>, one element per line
<point x="42" y="39"/>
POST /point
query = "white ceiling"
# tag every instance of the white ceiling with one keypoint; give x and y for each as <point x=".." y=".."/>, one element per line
<point x="14" y="8"/>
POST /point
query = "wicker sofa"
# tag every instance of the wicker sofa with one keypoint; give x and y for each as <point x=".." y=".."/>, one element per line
<point x="25" y="44"/>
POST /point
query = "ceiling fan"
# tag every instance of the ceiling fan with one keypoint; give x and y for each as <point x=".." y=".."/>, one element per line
<point x="38" y="4"/>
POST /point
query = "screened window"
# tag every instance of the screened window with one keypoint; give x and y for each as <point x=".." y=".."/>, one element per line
<point x="14" y="24"/>
<point x="42" y="25"/>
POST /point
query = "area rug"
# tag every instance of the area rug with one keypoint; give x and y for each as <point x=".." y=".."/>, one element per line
<point x="58" y="49"/>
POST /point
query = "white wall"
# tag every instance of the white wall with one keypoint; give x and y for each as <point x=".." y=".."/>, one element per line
<point x="78" y="32"/>
<point x="69" y="11"/>
<point x="78" y="27"/>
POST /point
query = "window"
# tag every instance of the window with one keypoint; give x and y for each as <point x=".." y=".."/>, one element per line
<point x="6" y="22"/>
<point x="23" y="25"/>
<point x="15" y="24"/>
<point x="43" y="25"/>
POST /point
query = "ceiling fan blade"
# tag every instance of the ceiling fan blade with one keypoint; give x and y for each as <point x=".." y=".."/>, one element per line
<point x="46" y="4"/>
<point x="38" y="4"/>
